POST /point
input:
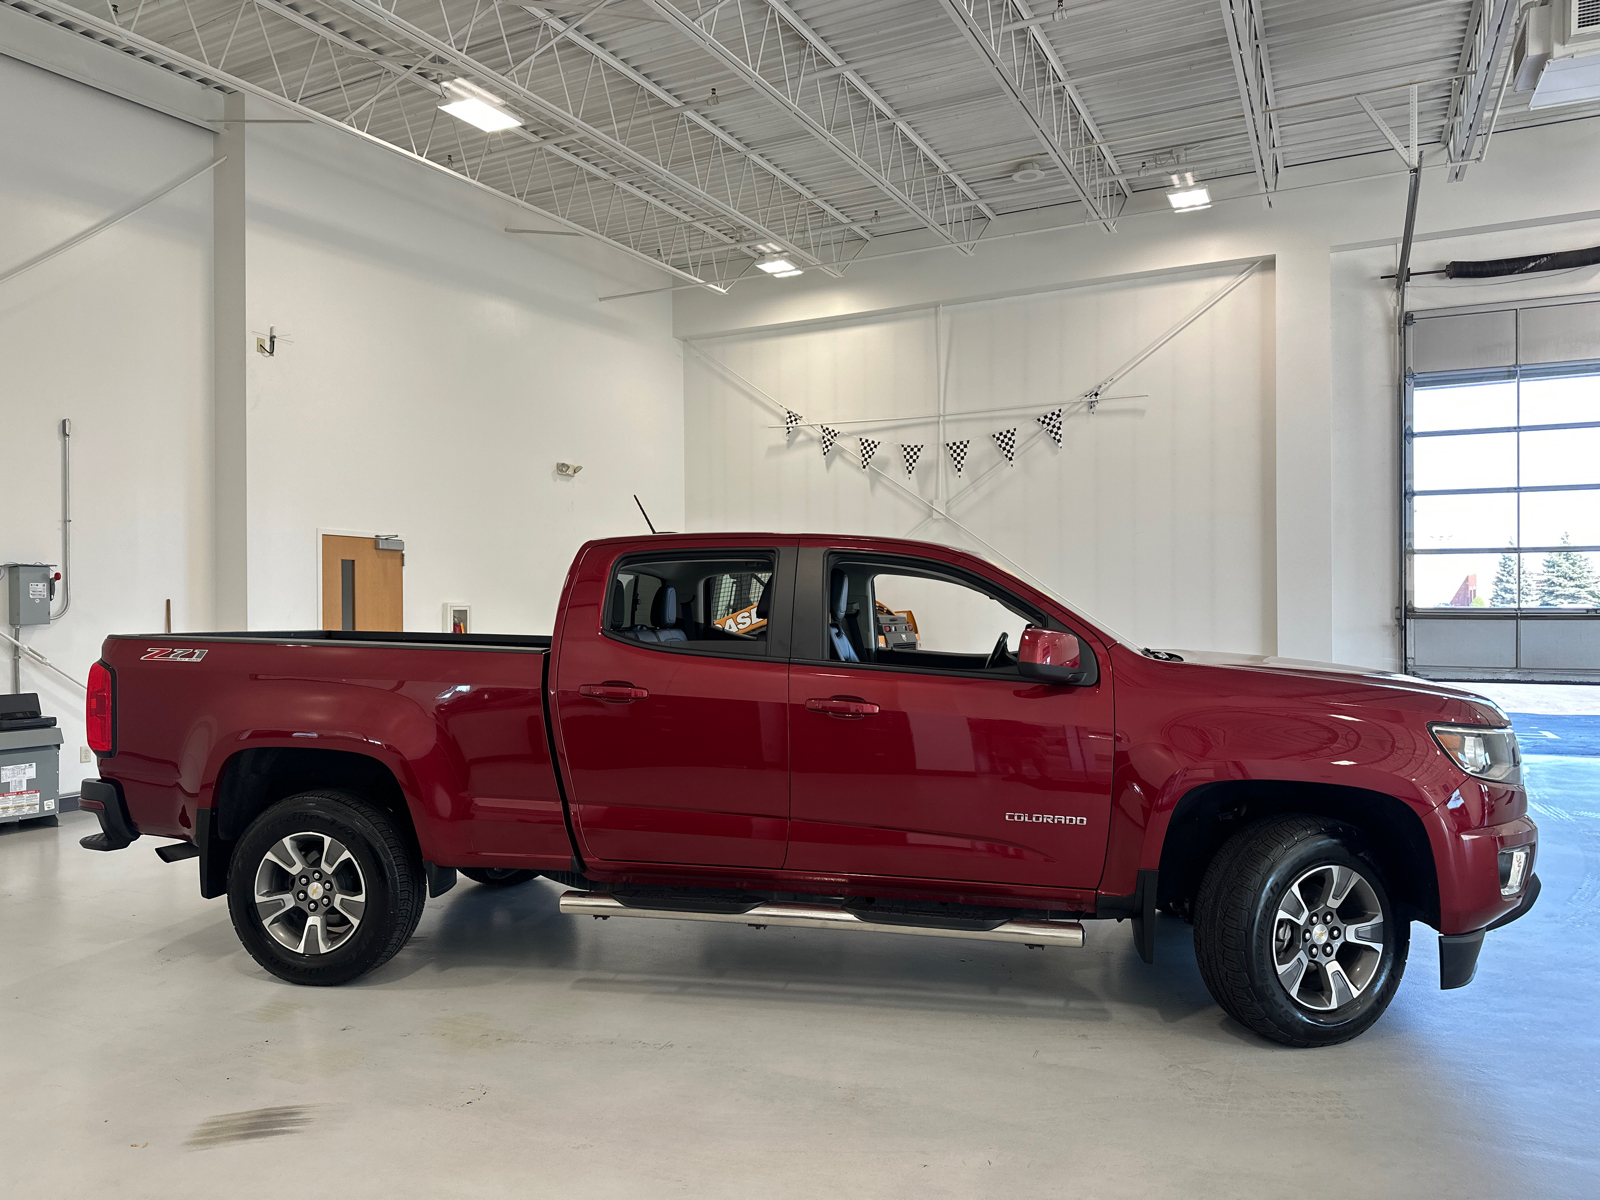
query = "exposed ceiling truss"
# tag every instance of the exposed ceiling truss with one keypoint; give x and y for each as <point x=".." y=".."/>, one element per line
<point x="614" y="156"/>
<point x="1006" y="34"/>
<point x="765" y="44"/>
<point x="1489" y="33"/>
<point x="700" y="136"/>
<point x="1247" y="47"/>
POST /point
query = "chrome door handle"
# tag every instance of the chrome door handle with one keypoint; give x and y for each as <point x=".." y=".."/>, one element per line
<point x="621" y="693"/>
<point x="842" y="706"/>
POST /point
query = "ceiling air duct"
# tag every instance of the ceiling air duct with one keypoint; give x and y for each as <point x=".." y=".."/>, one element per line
<point x="1557" y="58"/>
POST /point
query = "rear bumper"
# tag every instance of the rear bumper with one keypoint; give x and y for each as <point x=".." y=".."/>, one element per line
<point x="1458" y="952"/>
<point x="104" y="799"/>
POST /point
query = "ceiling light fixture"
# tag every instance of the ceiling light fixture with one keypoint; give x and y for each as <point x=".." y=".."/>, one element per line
<point x="1027" y="172"/>
<point x="470" y="103"/>
<point x="778" y="267"/>
<point x="1185" y="195"/>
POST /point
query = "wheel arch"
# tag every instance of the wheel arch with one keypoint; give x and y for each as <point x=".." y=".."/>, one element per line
<point x="253" y="780"/>
<point x="1210" y="814"/>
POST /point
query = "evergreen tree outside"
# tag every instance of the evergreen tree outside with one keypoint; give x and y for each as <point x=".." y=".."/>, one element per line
<point x="1504" y="592"/>
<point x="1569" y="580"/>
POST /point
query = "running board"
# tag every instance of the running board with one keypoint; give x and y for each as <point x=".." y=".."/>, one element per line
<point x="818" y="916"/>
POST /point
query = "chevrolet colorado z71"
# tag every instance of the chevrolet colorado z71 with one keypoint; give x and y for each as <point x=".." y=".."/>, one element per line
<point x="843" y="733"/>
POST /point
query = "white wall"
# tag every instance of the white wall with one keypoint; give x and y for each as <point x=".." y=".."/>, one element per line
<point x="1151" y="515"/>
<point x="1325" y="341"/>
<point x="436" y="370"/>
<point x="114" y="334"/>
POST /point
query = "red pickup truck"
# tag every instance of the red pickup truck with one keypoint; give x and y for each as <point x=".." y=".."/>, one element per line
<point x="855" y="734"/>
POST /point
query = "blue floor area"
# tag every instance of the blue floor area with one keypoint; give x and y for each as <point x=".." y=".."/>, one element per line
<point x="1558" y="735"/>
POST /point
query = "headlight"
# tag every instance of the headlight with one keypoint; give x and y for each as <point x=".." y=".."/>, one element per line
<point x="1486" y="753"/>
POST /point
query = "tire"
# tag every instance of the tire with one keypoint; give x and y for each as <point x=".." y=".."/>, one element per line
<point x="498" y="876"/>
<point x="344" y="937"/>
<point x="1261" y="920"/>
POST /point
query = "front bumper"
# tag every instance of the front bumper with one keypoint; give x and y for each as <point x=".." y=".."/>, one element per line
<point x="1458" y="952"/>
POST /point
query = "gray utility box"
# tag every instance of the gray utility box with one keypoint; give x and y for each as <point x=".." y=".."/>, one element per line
<point x="29" y="589"/>
<point x="30" y="753"/>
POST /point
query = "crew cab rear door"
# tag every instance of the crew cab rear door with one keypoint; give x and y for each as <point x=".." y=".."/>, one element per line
<point x="918" y="748"/>
<point x="671" y="697"/>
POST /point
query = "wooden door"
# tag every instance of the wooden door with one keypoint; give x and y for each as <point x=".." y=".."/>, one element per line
<point x="361" y="585"/>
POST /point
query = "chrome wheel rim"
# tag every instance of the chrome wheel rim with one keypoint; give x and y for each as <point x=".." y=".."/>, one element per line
<point x="1327" y="937"/>
<point x="310" y="894"/>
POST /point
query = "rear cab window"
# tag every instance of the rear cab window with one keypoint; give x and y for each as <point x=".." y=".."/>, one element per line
<point x="721" y="604"/>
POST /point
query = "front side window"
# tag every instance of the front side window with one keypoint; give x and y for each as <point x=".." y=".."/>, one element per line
<point x="905" y="616"/>
<point x="700" y="604"/>
<point x="1504" y="496"/>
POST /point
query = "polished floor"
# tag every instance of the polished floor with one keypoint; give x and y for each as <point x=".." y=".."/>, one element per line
<point x="511" y="1051"/>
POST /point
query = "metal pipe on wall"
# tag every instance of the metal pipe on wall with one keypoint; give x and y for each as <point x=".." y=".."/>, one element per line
<point x="66" y="519"/>
<point x="1402" y="365"/>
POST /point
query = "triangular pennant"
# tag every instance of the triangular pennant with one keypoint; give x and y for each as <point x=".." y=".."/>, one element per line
<point x="791" y="422"/>
<point x="829" y="437"/>
<point x="869" y="447"/>
<point x="1006" y="439"/>
<point x="958" y="453"/>
<point x="909" y="456"/>
<point x="1052" y="424"/>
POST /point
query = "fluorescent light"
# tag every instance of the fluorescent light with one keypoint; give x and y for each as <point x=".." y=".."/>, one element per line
<point x="477" y="107"/>
<point x="1186" y="195"/>
<point x="777" y="264"/>
<point x="787" y="274"/>
<point x="485" y="116"/>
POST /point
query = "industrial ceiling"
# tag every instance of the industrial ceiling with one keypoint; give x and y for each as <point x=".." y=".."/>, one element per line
<point x="707" y="136"/>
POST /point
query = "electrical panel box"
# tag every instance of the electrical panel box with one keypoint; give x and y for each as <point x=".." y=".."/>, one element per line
<point x="30" y="750"/>
<point x="29" y="589"/>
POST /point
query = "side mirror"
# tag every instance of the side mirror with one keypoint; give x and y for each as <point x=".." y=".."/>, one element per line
<point x="1052" y="656"/>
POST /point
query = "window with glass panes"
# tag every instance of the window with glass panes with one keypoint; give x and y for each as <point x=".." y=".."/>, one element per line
<point x="1504" y="495"/>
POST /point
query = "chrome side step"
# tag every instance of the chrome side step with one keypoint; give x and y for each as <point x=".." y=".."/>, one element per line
<point x="819" y="916"/>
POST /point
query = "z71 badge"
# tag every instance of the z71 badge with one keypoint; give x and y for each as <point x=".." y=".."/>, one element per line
<point x="155" y="654"/>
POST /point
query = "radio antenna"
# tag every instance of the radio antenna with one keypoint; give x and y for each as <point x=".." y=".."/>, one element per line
<point x="644" y="514"/>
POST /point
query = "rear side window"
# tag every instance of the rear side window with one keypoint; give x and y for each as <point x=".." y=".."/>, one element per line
<point x="696" y="604"/>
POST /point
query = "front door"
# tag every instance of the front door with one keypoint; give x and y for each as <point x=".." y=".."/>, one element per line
<point x="672" y="690"/>
<point x="918" y="749"/>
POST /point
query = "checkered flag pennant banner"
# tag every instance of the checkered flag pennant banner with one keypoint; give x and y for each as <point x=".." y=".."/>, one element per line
<point x="1052" y="425"/>
<point x="869" y="447"/>
<point x="829" y="437"/>
<point x="909" y="456"/>
<point x="958" y="453"/>
<point x="791" y="422"/>
<point x="1006" y="439"/>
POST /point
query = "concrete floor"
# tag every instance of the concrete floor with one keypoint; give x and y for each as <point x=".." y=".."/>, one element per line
<point x="511" y="1051"/>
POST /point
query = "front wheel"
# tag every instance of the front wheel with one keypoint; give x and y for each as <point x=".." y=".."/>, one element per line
<point x="323" y="888"/>
<point x="1295" y="933"/>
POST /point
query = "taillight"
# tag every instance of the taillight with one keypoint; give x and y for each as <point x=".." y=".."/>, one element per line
<point x="97" y="717"/>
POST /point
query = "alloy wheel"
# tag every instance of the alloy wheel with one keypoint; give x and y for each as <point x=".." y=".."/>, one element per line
<point x="1328" y="937"/>
<point x="310" y="893"/>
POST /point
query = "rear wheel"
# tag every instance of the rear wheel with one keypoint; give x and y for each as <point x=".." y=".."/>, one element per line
<point x="323" y="888"/>
<point x="1295" y="932"/>
<point x="498" y="876"/>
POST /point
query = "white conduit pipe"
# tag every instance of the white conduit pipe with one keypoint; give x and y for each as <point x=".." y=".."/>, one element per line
<point x="42" y="660"/>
